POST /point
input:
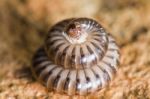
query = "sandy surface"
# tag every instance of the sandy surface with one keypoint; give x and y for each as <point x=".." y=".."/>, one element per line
<point x="24" y="24"/>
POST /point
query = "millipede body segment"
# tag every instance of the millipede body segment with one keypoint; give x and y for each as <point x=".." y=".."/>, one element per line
<point x="78" y="57"/>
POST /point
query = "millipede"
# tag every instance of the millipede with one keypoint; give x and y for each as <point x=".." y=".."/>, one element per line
<point x="78" y="57"/>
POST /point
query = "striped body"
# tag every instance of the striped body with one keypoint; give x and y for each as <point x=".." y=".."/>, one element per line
<point x="76" y="69"/>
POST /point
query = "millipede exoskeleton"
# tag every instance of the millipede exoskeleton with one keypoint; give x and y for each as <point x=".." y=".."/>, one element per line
<point x="78" y="57"/>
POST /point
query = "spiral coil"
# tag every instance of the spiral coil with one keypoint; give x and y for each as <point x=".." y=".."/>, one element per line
<point x="78" y="57"/>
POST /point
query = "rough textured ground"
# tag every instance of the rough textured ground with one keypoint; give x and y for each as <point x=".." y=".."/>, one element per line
<point x="24" y="23"/>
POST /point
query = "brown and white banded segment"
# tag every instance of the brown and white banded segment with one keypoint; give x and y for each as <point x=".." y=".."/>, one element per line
<point x="78" y="57"/>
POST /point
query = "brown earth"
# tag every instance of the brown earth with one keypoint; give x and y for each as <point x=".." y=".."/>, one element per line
<point x="24" y="24"/>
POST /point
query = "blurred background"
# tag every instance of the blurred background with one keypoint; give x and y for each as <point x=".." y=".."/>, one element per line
<point x="24" y="25"/>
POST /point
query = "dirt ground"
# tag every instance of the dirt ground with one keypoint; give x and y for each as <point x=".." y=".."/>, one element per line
<point x="24" y="24"/>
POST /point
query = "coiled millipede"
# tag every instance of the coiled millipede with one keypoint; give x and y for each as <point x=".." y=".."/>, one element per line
<point x="78" y="57"/>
